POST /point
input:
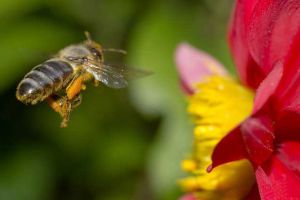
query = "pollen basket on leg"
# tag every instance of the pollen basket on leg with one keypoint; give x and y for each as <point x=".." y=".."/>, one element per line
<point x="218" y="105"/>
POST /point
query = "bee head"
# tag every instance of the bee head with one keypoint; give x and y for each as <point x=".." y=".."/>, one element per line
<point x="94" y="47"/>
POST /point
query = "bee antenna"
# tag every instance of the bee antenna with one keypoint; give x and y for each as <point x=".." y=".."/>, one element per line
<point x="88" y="36"/>
<point x="116" y="50"/>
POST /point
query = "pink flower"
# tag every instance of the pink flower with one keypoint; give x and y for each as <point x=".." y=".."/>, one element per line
<point x="195" y="65"/>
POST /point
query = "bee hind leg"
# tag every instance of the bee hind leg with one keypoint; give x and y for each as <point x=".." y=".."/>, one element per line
<point x="66" y="103"/>
<point x="61" y="105"/>
<point x="64" y="106"/>
<point x="76" y="101"/>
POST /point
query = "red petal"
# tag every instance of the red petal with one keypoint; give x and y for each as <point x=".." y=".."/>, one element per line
<point x="267" y="87"/>
<point x="288" y="125"/>
<point x="253" y="194"/>
<point x="230" y="148"/>
<point x="253" y="140"/>
<point x="249" y="72"/>
<point x="276" y="181"/>
<point x="289" y="154"/>
<point x="272" y="29"/>
<point x="287" y="96"/>
<point x="258" y="137"/>
<point x="288" y="92"/>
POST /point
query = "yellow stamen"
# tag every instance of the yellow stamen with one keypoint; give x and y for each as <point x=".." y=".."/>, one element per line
<point x="219" y="105"/>
<point x="189" y="165"/>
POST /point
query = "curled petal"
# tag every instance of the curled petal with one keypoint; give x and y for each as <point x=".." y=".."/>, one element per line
<point x="230" y="148"/>
<point x="194" y="65"/>
<point x="253" y="140"/>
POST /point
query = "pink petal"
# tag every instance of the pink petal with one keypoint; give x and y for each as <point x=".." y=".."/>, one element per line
<point x="188" y="197"/>
<point x="272" y="29"/>
<point x="276" y="181"/>
<point x="194" y="65"/>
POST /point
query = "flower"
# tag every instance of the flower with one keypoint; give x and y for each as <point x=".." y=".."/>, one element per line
<point x="214" y="102"/>
<point x="268" y="63"/>
<point x="265" y="40"/>
<point x="269" y="138"/>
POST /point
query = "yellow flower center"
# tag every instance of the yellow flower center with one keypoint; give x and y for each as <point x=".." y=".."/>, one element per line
<point x="219" y="104"/>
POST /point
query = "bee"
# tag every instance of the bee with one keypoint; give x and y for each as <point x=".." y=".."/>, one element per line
<point x="61" y="79"/>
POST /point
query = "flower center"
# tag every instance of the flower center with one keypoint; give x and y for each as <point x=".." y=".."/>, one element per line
<point x="219" y="104"/>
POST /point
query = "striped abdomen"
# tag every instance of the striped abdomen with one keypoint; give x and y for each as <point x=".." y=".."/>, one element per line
<point x="43" y="80"/>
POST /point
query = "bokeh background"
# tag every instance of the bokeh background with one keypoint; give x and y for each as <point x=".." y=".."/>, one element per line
<point x="120" y="144"/>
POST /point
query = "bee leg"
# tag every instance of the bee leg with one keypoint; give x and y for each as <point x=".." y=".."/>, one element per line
<point x="75" y="86"/>
<point x="96" y="83"/>
<point x="76" y="101"/>
<point x="66" y="107"/>
<point x="66" y="111"/>
<point x="63" y="106"/>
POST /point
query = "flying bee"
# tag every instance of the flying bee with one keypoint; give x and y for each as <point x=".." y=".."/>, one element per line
<point x="61" y="79"/>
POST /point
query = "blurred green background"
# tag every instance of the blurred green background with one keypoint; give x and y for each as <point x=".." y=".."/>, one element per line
<point x="120" y="144"/>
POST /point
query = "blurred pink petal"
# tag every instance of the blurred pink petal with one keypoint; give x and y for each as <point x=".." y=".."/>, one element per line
<point x="194" y="65"/>
<point x="188" y="197"/>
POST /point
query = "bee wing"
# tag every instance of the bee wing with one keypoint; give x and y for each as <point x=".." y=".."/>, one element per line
<point x="133" y="73"/>
<point x="109" y="76"/>
<point x="114" y="76"/>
